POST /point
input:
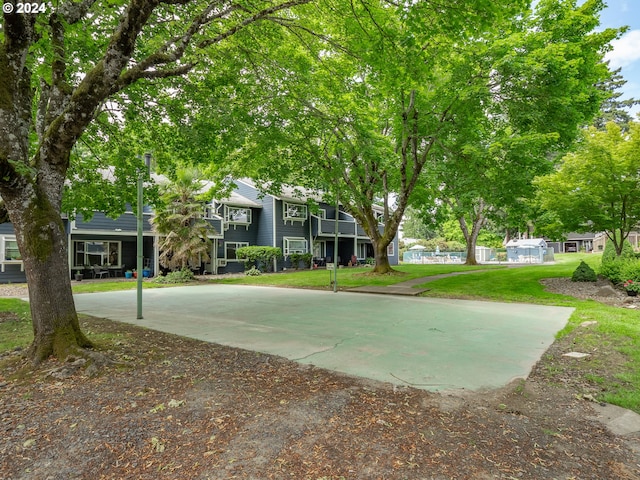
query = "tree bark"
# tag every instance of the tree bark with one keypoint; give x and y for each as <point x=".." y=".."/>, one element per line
<point x="382" y="265"/>
<point x="42" y="242"/>
<point x="471" y="237"/>
<point x="33" y="171"/>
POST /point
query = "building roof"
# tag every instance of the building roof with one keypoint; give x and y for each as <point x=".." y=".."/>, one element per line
<point x="289" y="193"/>
<point x="527" y="242"/>
<point x="237" y="200"/>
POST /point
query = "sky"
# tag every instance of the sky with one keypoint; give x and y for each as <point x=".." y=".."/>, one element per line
<point x="626" y="50"/>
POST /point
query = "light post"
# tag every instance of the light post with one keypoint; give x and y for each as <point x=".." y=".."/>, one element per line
<point x="335" y="245"/>
<point x="142" y="174"/>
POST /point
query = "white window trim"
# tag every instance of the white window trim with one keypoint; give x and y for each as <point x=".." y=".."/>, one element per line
<point x="391" y="248"/>
<point x="229" y="219"/>
<point x="362" y="250"/>
<point x="288" y="250"/>
<point x="285" y="212"/>
<point x="238" y="245"/>
<point x="5" y="239"/>
<point x="73" y="251"/>
<point x="322" y="245"/>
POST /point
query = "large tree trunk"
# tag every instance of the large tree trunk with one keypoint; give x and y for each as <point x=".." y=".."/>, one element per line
<point x="471" y="236"/>
<point x="382" y="259"/>
<point x="471" y="252"/>
<point x="43" y="246"/>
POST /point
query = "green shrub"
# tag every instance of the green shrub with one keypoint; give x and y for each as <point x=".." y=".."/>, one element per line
<point x="253" y="272"/>
<point x="609" y="254"/>
<point x="584" y="273"/>
<point x="179" y="276"/>
<point x="630" y="270"/>
<point x="612" y="270"/>
<point x="297" y="257"/>
<point x="260" y="257"/>
<point x="612" y="266"/>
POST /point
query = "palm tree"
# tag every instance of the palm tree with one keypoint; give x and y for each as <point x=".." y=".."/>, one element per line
<point x="184" y="233"/>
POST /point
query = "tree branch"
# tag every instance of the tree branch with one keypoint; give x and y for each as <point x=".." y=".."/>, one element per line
<point x="72" y="12"/>
<point x="261" y="15"/>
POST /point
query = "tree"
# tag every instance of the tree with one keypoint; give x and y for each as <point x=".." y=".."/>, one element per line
<point x="415" y="226"/>
<point x="358" y="111"/>
<point x="184" y="232"/>
<point x="539" y="91"/>
<point x="470" y="99"/>
<point x="60" y="68"/>
<point x="596" y="187"/>
<point x="614" y="109"/>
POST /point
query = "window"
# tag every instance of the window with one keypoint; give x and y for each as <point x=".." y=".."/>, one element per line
<point x="319" y="249"/>
<point x="96" y="252"/>
<point x="237" y="215"/>
<point x="362" y="250"/>
<point x="11" y="252"/>
<point x="391" y="249"/>
<point x="322" y="213"/>
<point x="230" y="249"/>
<point x="294" y="212"/>
<point x="294" y="245"/>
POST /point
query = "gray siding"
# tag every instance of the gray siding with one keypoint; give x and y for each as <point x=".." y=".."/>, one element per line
<point x="127" y="222"/>
<point x="6" y="229"/>
<point x="265" y="224"/>
<point x="12" y="274"/>
<point x="264" y="221"/>
<point x="289" y="229"/>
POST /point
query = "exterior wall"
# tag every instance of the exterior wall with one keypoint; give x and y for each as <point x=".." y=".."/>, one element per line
<point x="268" y="228"/>
<point x="238" y="233"/>
<point x="289" y="228"/>
<point x="127" y="222"/>
<point x="265" y="221"/>
<point x="13" y="273"/>
<point x="10" y="272"/>
<point x="128" y="253"/>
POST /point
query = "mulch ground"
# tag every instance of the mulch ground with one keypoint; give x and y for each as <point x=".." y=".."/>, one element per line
<point x="175" y="408"/>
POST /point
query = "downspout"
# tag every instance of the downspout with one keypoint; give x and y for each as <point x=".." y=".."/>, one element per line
<point x="156" y="254"/>
<point x="214" y="256"/>
<point x="275" y="260"/>
<point x="311" y="242"/>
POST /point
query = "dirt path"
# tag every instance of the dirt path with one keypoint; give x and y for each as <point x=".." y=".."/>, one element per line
<point x="183" y="409"/>
<point x="176" y="408"/>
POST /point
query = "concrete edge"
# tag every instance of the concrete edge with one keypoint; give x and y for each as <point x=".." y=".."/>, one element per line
<point x="618" y="420"/>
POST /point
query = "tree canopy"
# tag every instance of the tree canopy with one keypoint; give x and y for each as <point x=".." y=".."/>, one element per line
<point x="541" y="78"/>
<point x="468" y="98"/>
<point x="596" y="187"/>
<point x="65" y="68"/>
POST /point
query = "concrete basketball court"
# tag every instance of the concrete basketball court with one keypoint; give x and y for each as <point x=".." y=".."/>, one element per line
<point x="434" y="344"/>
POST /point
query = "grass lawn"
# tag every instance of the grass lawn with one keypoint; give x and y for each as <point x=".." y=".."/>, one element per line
<point x="113" y="285"/>
<point x="617" y="327"/>
<point x="349" y="277"/>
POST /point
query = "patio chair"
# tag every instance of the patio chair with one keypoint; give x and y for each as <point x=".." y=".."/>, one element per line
<point x="99" y="272"/>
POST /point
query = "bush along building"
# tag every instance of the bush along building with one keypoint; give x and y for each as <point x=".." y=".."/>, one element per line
<point x="101" y="246"/>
